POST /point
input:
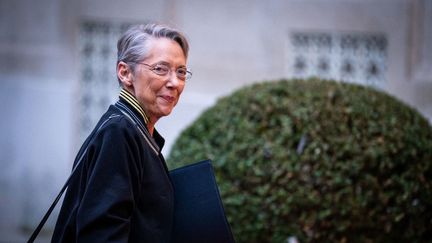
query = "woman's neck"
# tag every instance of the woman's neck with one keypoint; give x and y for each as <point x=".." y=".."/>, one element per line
<point x="151" y="124"/>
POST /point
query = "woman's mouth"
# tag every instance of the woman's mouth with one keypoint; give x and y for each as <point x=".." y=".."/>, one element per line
<point x="168" y="98"/>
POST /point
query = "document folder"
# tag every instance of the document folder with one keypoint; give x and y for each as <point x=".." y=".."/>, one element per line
<point x="199" y="214"/>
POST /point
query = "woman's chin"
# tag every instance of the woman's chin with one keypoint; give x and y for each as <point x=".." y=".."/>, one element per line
<point x="165" y="112"/>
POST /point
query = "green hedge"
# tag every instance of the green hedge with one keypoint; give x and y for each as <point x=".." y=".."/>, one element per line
<point x="317" y="160"/>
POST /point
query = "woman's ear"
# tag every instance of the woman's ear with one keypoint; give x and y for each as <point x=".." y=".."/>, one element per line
<point x="124" y="74"/>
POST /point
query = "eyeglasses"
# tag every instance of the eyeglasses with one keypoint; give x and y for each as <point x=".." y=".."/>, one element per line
<point x="162" y="69"/>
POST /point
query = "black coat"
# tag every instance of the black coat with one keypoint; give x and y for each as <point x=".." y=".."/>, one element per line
<point x="122" y="191"/>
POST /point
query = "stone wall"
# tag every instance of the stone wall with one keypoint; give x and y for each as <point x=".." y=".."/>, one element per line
<point x="233" y="43"/>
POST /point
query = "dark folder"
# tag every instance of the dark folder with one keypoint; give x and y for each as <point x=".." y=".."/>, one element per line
<point x="199" y="214"/>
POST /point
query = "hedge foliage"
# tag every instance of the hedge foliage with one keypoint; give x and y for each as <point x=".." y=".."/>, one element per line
<point x="317" y="160"/>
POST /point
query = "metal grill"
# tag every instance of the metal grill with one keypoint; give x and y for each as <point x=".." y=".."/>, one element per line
<point x="353" y="57"/>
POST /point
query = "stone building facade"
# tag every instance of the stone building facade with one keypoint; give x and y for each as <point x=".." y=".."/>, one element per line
<point x="58" y="60"/>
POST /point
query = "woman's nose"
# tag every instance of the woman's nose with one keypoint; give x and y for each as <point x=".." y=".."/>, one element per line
<point x="173" y="80"/>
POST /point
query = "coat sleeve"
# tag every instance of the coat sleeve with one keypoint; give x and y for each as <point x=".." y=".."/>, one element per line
<point x="112" y="182"/>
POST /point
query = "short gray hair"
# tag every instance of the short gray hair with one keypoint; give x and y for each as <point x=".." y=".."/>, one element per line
<point x="132" y="45"/>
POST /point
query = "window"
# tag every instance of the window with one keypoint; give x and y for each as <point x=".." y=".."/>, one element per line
<point x="98" y="85"/>
<point x="350" y="57"/>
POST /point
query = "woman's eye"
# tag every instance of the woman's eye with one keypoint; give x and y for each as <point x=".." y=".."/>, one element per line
<point x="181" y="71"/>
<point x="161" y="69"/>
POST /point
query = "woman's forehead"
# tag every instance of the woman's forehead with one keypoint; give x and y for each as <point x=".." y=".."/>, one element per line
<point x="165" y="50"/>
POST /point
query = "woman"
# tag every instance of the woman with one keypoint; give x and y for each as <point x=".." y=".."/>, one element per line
<point x="121" y="191"/>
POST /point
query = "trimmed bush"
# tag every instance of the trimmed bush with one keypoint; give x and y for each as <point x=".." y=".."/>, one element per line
<point x="317" y="160"/>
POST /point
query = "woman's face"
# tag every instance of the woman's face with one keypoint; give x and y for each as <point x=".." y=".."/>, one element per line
<point x="159" y="94"/>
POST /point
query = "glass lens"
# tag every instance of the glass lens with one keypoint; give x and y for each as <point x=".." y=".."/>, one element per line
<point x="181" y="73"/>
<point x="161" y="69"/>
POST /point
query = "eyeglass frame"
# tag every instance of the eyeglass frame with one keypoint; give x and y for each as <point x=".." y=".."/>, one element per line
<point x="188" y="74"/>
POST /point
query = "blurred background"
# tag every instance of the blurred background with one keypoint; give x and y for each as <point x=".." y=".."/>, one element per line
<point x="57" y="71"/>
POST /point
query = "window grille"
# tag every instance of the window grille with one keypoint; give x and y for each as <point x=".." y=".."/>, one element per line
<point x="350" y="57"/>
<point x="98" y="85"/>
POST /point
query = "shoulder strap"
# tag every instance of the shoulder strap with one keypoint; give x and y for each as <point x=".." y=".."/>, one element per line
<point x="48" y="213"/>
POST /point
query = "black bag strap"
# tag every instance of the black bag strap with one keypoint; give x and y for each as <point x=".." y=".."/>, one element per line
<point x="51" y="208"/>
